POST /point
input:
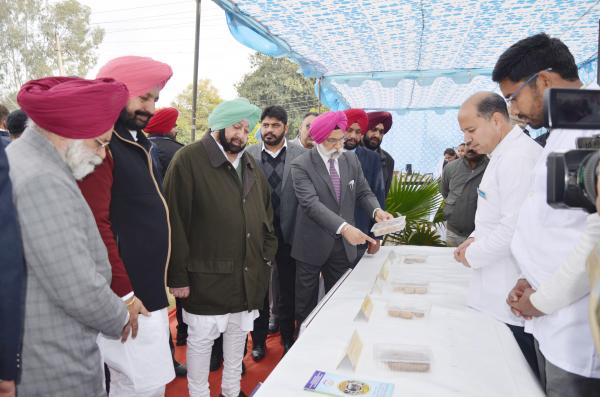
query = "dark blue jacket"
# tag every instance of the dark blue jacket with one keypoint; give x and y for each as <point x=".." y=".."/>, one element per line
<point x="4" y="139"/>
<point x="12" y="278"/>
<point x="371" y="167"/>
<point x="139" y="217"/>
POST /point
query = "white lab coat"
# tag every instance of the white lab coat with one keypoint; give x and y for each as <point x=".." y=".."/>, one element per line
<point x="544" y="238"/>
<point x="502" y="190"/>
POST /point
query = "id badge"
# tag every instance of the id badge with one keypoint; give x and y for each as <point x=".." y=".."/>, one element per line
<point x="481" y="194"/>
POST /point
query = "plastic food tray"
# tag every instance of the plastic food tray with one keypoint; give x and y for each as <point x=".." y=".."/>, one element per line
<point x="387" y="227"/>
<point x="408" y="310"/>
<point x="409" y="287"/>
<point x="403" y="358"/>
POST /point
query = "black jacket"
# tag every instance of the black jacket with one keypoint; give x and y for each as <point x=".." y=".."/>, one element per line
<point x="163" y="149"/>
<point x="139" y="217"/>
<point x="387" y="166"/>
<point x="12" y="280"/>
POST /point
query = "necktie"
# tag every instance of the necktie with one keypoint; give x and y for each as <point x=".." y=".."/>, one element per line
<point x="335" y="179"/>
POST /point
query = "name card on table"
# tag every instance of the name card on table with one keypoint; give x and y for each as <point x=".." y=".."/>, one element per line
<point x="352" y="353"/>
<point x="384" y="272"/>
<point x="382" y="276"/>
<point x="364" y="314"/>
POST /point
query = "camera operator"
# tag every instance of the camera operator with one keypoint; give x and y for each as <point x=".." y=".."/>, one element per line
<point x="545" y="237"/>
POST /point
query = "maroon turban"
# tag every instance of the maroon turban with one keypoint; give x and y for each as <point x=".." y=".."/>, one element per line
<point x="324" y="124"/>
<point x="73" y="107"/>
<point x="140" y="74"/>
<point x="162" y="122"/>
<point x="384" y="118"/>
<point x="358" y="116"/>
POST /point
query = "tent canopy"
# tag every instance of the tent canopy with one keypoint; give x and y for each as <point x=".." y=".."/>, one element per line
<point x="418" y="59"/>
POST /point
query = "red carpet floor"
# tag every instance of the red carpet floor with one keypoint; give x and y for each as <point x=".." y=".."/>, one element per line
<point x="255" y="372"/>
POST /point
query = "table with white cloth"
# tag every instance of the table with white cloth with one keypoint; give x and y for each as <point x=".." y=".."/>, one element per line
<point x="472" y="353"/>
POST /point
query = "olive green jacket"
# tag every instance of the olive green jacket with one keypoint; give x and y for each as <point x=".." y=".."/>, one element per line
<point x="222" y="230"/>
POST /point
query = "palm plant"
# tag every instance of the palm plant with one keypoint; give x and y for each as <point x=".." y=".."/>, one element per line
<point x="416" y="197"/>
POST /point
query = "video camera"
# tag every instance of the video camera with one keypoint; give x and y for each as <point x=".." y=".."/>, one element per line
<point x="571" y="176"/>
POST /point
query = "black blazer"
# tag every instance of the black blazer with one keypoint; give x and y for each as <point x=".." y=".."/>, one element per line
<point x="12" y="279"/>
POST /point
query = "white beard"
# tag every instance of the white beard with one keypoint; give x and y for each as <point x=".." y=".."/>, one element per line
<point x="80" y="159"/>
<point x="331" y="154"/>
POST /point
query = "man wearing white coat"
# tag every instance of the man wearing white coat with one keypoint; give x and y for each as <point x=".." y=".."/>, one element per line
<point x="546" y="238"/>
<point x="486" y="125"/>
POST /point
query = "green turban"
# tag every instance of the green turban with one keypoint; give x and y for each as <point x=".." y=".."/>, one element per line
<point x="228" y="113"/>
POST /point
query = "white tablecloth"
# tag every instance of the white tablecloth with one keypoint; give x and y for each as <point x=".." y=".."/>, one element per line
<point x="473" y="354"/>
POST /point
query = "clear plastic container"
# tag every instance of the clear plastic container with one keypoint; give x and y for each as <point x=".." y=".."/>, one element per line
<point x="409" y="287"/>
<point x="403" y="358"/>
<point x="388" y="227"/>
<point x="408" y="310"/>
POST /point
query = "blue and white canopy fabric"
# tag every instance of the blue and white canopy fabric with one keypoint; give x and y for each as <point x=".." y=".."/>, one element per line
<point x="418" y="59"/>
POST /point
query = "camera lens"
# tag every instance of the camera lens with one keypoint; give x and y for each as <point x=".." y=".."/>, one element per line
<point x="587" y="176"/>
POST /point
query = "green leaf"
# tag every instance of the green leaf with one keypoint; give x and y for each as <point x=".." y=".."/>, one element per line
<point x="414" y="196"/>
<point x="418" y="233"/>
<point x="417" y="197"/>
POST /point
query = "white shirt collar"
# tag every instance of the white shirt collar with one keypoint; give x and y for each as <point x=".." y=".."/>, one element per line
<point x="275" y="154"/>
<point x="235" y="162"/>
<point x="133" y="134"/>
<point x="504" y="144"/>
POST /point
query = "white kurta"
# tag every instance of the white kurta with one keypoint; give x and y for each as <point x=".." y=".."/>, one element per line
<point x="544" y="238"/>
<point x="146" y="360"/>
<point x="502" y="190"/>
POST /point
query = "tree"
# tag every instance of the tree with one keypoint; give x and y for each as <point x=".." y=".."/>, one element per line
<point x="32" y="33"/>
<point x="276" y="81"/>
<point x="208" y="99"/>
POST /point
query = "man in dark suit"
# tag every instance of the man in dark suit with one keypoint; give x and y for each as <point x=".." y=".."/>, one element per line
<point x="275" y="156"/>
<point x="12" y="284"/>
<point x="370" y="162"/>
<point x="162" y="133"/>
<point x="328" y="184"/>
<point x="379" y="125"/>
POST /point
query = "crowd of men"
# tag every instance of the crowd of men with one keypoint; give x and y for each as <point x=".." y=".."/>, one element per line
<point x="108" y="206"/>
<point x="103" y="210"/>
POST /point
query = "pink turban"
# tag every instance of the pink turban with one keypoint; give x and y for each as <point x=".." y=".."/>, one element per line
<point x="324" y="124"/>
<point x="140" y="74"/>
<point x="358" y="116"/>
<point x="384" y="118"/>
<point x="162" y="122"/>
<point x="72" y="107"/>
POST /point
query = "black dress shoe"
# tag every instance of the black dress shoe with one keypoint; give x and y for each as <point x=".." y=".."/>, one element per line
<point x="273" y="326"/>
<point x="258" y="352"/>
<point x="239" y="395"/>
<point x="180" y="369"/>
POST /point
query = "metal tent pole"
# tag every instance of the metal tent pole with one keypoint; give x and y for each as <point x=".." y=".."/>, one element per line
<point x="195" y="84"/>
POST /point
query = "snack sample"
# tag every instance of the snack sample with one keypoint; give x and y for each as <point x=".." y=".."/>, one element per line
<point x="388" y="227"/>
<point x="403" y="358"/>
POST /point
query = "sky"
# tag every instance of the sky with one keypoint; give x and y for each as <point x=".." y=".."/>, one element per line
<point x="164" y="30"/>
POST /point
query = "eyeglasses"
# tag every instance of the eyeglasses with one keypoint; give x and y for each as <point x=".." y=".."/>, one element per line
<point x="101" y="144"/>
<point x="335" y="141"/>
<point x="514" y="95"/>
